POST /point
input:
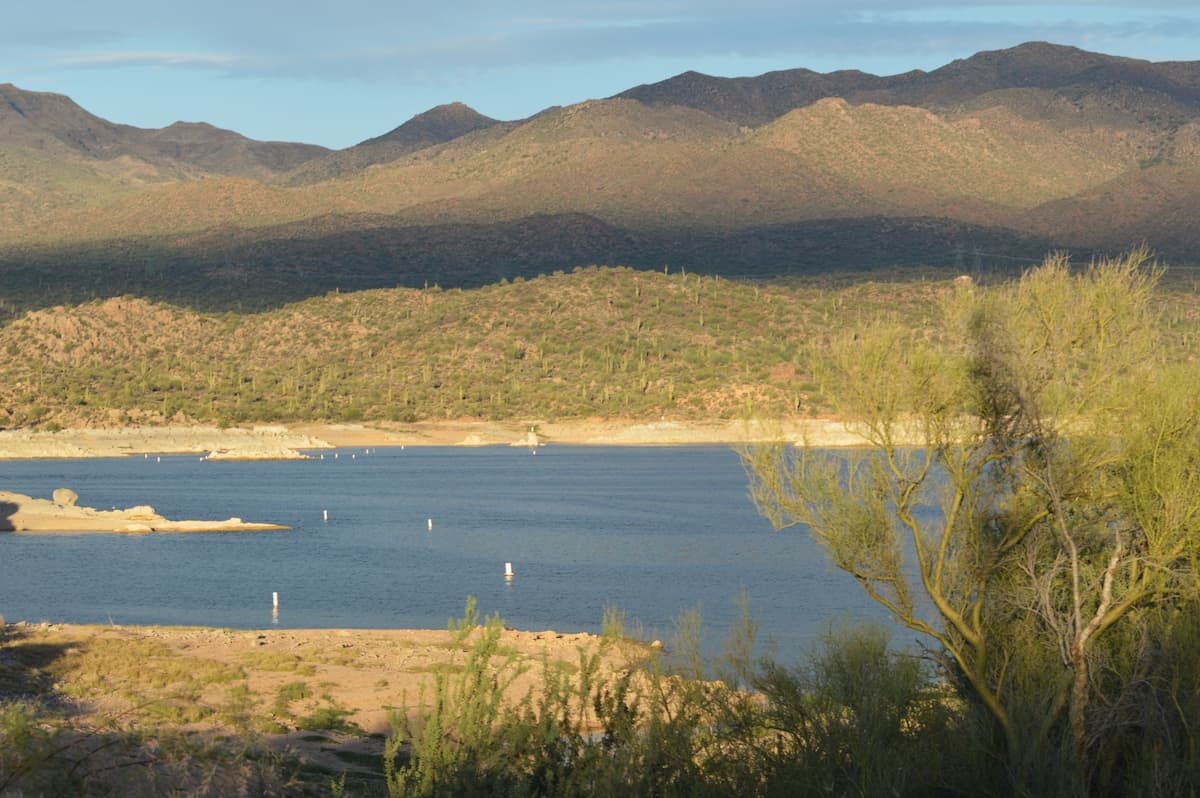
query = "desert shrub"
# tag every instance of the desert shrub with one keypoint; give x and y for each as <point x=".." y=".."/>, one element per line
<point x="859" y="719"/>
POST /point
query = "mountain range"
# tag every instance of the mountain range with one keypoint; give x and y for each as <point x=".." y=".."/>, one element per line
<point x="988" y="162"/>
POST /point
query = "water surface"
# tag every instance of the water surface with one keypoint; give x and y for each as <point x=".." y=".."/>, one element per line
<point x="656" y="531"/>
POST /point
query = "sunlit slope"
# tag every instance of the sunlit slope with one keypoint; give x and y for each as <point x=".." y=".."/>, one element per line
<point x="593" y="342"/>
<point x="643" y="167"/>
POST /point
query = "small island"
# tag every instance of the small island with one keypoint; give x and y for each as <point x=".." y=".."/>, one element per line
<point x="21" y="513"/>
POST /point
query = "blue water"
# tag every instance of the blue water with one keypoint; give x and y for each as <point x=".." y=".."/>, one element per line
<point x="653" y="531"/>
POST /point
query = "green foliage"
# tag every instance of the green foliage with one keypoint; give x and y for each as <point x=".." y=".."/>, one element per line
<point x="859" y="719"/>
<point x="612" y="623"/>
<point x="328" y="718"/>
<point x="27" y="750"/>
<point x="463" y="627"/>
<point x="452" y="741"/>
<point x="1027" y="502"/>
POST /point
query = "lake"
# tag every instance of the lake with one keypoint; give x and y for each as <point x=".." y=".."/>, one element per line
<point x="655" y="531"/>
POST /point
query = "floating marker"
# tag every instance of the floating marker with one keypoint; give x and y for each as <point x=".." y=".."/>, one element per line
<point x="146" y="456"/>
<point x="274" y="600"/>
<point x="429" y="524"/>
<point x="335" y="455"/>
<point x="158" y="459"/>
<point x="508" y="572"/>
<point x="353" y="457"/>
<point x="324" y="515"/>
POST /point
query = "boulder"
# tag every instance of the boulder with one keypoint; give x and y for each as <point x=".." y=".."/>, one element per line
<point x="65" y="497"/>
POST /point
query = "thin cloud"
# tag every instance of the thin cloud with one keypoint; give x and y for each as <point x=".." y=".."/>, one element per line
<point x="366" y="40"/>
<point x="795" y="35"/>
<point x="155" y="59"/>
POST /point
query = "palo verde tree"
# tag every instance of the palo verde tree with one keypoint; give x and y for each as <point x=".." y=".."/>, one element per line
<point x="1028" y="497"/>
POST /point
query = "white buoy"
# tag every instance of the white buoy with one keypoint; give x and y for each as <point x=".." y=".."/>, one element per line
<point x="146" y="456"/>
<point x="354" y="457"/>
<point x="508" y="572"/>
<point x="158" y="459"/>
<point x="324" y="515"/>
<point x="429" y="524"/>
<point x="335" y="455"/>
<point x="274" y="600"/>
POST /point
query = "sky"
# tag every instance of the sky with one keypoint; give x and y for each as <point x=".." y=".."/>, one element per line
<point x="336" y="73"/>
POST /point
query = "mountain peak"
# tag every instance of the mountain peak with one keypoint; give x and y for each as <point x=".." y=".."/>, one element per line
<point x="439" y="124"/>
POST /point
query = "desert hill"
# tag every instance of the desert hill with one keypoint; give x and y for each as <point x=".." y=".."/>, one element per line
<point x="987" y="162"/>
<point x="590" y="343"/>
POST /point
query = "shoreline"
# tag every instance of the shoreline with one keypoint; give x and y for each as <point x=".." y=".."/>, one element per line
<point x="282" y="442"/>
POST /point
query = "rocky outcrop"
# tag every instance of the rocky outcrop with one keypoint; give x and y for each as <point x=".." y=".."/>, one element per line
<point x="21" y="513"/>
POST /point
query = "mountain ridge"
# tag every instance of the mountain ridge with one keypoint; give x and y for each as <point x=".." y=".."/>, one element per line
<point x="1032" y="65"/>
<point x="1038" y="145"/>
<point x="26" y="117"/>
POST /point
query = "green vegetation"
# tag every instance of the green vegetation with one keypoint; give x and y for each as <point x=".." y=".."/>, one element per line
<point x="857" y="719"/>
<point x="1042" y="533"/>
<point x="1042" y="536"/>
<point x="595" y="342"/>
<point x="598" y="341"/>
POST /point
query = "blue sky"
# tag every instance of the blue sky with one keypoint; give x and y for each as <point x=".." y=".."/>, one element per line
<point x="335" y="73"/>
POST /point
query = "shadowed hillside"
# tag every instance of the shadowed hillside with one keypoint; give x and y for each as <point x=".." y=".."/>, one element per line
<point x="232" y="269"/>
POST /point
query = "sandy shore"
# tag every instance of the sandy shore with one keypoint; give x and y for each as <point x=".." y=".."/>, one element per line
<point x="588" y="432"/>
<point x="253" y="443"/>
<point x="21" y="513"/>
<point x="277" y="442"/>
<point x="183" y="679"/>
